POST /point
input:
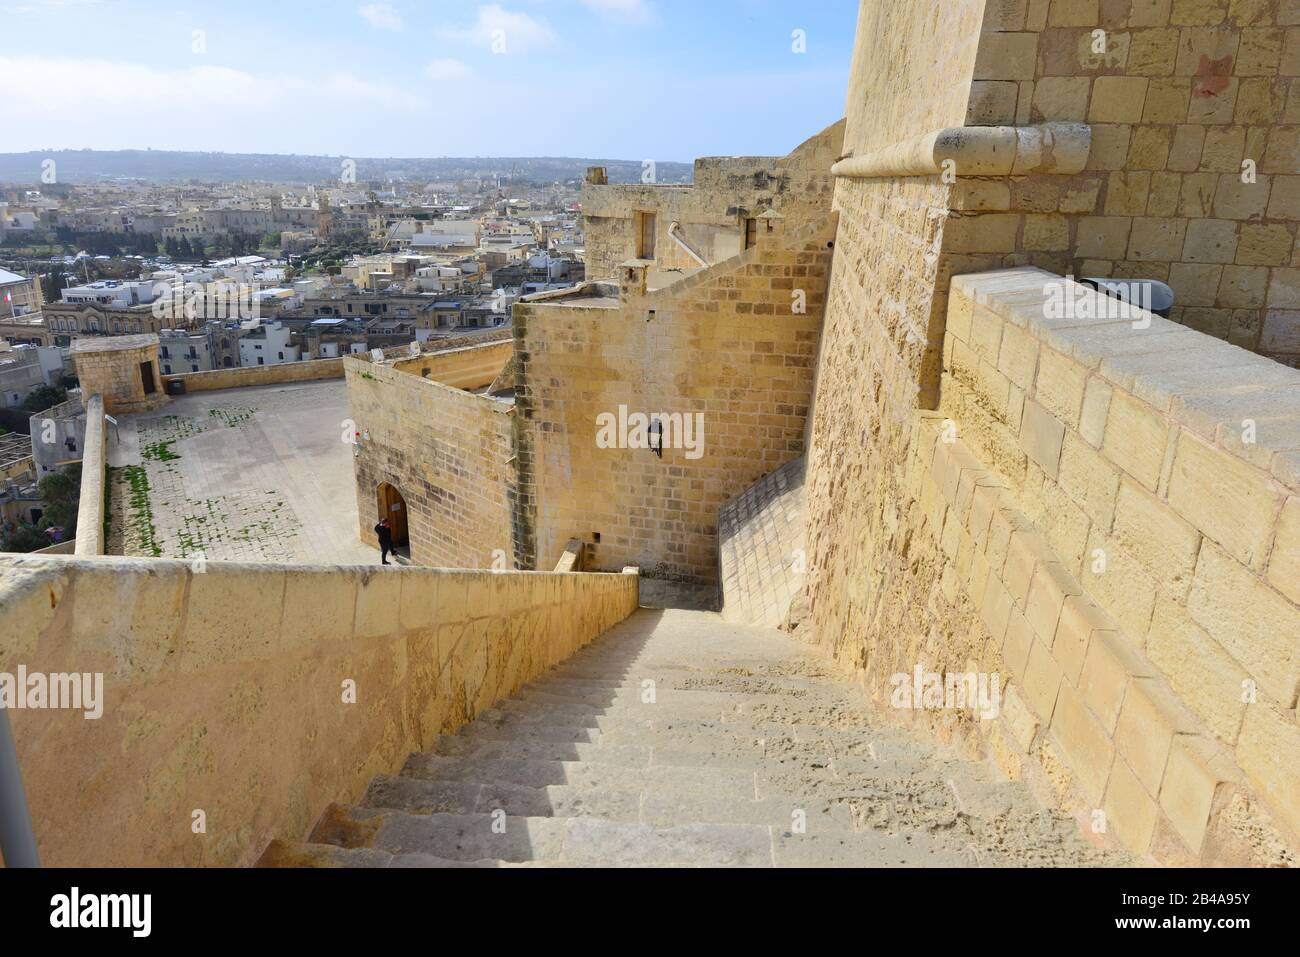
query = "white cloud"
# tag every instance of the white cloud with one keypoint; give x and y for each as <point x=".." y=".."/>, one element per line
<point x="503" y="31"/>
<point x="381" y="16"/>
<point x="448" y="71"/>
<point x="146" y="104"/>
<point x="635" y="11"/>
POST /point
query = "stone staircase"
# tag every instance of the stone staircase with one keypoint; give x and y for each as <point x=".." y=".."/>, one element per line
<point x="680" y="740"/>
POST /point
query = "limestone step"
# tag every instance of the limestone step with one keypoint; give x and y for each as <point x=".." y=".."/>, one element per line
<point x="498" y="837"/>
<point x="654" y="807"/>
<point x="288" y="854"/>
<point x="291" y="854"/>
<point x="389" y="838"/>
<point x="750" y="754"/>
<point x="736" y="783"/>
<point x="706" y="708"/>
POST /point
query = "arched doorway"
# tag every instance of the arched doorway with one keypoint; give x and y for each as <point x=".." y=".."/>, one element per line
<point x="393" y="507"/>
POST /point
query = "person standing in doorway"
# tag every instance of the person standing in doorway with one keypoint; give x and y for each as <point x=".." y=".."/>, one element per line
<point x="385" y="533"/>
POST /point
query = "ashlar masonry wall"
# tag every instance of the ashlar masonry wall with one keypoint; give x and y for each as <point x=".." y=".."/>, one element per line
<point x="224" y="689"/>
<point x="727" y="345"/>
<point x="1193" y="175"/>
<point x="449" y="452"/>
<point x="726" y="192"/>
<point x="1109" y="517"/>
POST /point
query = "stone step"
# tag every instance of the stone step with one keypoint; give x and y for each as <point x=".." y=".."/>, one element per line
<point x="286" y="854"/>
<point x="576" y="840"/>
<point x="705" y="707"/>
<point x="752" y="754"/>
<point x="537" y="774"/>
<point x="678" y="733"/>
<point x="420" y="796"/>
<point x="654" y="807"/>
<point x="656" y="748"/>
<point x="667" y="697"/>
<point x="627" y="756"/>
<point x="557" y="734"/>
<point x="290" y="854"/>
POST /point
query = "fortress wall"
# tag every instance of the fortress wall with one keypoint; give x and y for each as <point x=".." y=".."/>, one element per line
<point x="241" y="378"/>
<point x="890" y="558"/>
<point x="469" y="367"/>
<point x="223" y="689"/>
<point x="1082" y="517"/>
<point x="90" y="504"/>
<point x="881" y="346"/>
<point x="762" y="553"/>
<point x="447" y="451"/>
<point x="727" y="190"/>
<point x="724" y="344"/>
<point x="1193" y="175"/>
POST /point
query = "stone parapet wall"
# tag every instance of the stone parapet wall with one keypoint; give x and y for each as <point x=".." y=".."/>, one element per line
<point x="448" y="452"/>
<point x="94" y="463"/>
<point x="241" y="378"/>
<point x="224" y="689"/>
<point x="1082" y="517"/>
<point x="727" y="190"/>
<point x="726" y="344"/>
<point x="762" y="552"/>
<point x="471" y="367"/>
<point x="1193" y="173"/>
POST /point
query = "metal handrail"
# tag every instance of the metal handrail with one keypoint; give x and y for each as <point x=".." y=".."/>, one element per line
<point x="17" y="840"/>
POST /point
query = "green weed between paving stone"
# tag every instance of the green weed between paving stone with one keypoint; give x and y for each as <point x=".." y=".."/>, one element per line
<point x="140" y="510"/>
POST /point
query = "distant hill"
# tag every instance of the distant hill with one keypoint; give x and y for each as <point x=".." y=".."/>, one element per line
<point x="166" y="166"/>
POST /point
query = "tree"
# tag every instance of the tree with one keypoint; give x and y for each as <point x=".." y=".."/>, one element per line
<point x="61" y="493"/>
<point x="44" y="397"/>
<point x="24" y="538"/>
<point x="53" y="283"/>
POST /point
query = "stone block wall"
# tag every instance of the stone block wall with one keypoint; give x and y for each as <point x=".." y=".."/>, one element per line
<point x="1082" y="517"/>
<point x="111" y="368"/>
<point x="448" y="452"/>
<point x="1193" y="176"/>
<point x="218" y="379"/>
<point x="726" y="344"/>
<point x="94" y="462"/>
<point x="224" y="690"/>
<point x="762" y="553"/>
<point x="712" y="212"/>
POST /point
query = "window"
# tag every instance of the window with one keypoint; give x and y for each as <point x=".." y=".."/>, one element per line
<point x="281" y="355"/>
<point x="194" y="368"/>
<point x="645" y="244"/>
<point x="751" y="233"/>
<point x="261" y="361"/>
<point x="167" y="370"/>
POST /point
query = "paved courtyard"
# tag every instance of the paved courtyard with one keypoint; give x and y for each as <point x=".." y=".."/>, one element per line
<point x="259" y="475"/>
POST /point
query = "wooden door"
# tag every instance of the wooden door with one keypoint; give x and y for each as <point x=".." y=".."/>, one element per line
<point x="393" y="507"/>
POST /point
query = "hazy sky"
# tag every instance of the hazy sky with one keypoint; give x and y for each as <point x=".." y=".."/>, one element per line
<point x="616" y="79"/>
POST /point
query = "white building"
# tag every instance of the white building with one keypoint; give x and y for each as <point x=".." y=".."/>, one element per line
<point x="26" y="368"/>
<point x="112" y="293"/>
<point x="267" y="345"/>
